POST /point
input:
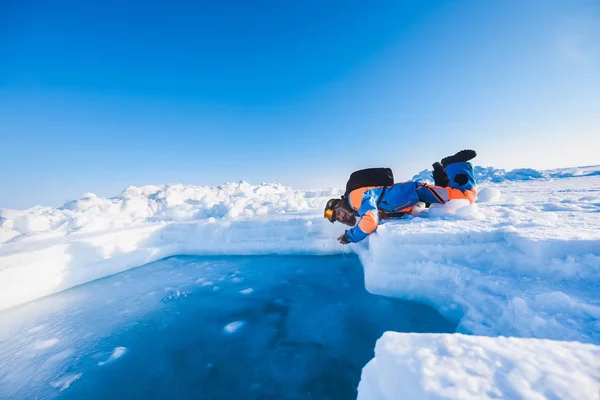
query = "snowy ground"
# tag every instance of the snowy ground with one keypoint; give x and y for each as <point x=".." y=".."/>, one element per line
<point x="527" y="264"/>
<point x="524" y="261"/>
<point x="433" y="366"/>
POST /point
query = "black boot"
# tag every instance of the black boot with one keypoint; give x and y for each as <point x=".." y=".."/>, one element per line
<point x="461" y="156"/>
<point x="440" y="178"/>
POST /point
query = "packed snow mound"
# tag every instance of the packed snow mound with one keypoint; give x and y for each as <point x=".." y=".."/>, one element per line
<point x="138" y="205"/>
<point x="441" y="366"/>
<point x="498" y="175"/>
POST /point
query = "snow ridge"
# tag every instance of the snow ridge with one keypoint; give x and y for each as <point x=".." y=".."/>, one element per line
<point x="499" y="175"/>
<point x="164" y="203"/>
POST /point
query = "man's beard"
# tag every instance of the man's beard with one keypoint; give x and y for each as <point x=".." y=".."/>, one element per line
<point x="351" y="221"/>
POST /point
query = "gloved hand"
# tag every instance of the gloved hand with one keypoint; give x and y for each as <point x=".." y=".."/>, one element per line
<point x="343" y="239"/>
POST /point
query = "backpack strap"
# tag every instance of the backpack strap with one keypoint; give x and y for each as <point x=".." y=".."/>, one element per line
<point x="381" y="196"/>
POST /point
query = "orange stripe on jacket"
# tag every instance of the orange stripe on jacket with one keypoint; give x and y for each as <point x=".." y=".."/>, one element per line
<point x="356" y="196"/>
<point x="368" y="223"/>
<point x="454" y="194"/>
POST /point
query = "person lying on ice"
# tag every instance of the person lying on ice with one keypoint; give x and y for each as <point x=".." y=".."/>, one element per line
<point x="454" y="179"/>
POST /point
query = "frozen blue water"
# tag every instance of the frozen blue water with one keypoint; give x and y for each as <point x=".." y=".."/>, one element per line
<point x="262" y="327"/>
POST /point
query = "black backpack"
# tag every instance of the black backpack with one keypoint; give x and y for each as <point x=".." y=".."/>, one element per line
<point x="369" y="177"/>
<point x="372" y="177"/>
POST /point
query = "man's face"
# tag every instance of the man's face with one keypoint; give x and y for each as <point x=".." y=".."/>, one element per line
<point x="345" y="217"/>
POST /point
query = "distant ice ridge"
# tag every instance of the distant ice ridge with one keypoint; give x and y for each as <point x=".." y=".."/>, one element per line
<point x="498" y="175"/>
<point x="438" y="366"/>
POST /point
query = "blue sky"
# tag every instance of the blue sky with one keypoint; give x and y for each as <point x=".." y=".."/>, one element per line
<point x="99" y="95"/>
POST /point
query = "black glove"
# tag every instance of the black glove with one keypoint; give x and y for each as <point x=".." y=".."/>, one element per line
<point x="344" y="239"/>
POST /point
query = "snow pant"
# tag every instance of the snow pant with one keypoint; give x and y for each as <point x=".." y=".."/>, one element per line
<point x="462" y="186"/>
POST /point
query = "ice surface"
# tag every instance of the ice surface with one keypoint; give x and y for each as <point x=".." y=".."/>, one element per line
<point x="117" y="353"/>
<point x="234" y="326"/>
<point x="65" y="381"/>
<point x="520" y="271"/>
<point x="34" y="263"/>
<point x="306" y="332"/>
<point x="523" y="261"/>
<point x="44" y="344"/>
<point x="433" y="366"/>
